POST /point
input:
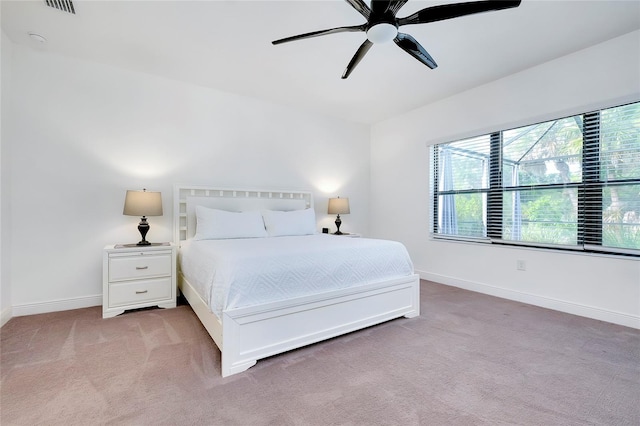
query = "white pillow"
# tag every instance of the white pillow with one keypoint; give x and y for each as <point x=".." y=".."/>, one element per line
<point x="214" y="224"/>
<point x="295" y="222"/>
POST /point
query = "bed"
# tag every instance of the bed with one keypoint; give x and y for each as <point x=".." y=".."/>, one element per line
<point x="296" y="306"/>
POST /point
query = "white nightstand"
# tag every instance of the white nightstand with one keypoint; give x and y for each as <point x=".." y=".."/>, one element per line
<point x="137" y="277"/>
<point x="350" y="235"/>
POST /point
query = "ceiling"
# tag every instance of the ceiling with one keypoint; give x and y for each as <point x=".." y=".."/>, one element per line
<point x="226" y="45"/>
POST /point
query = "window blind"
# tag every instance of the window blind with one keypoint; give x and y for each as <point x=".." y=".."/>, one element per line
<point x="616" y="201"/>
<point x="460" y="176"/>
<point x="572" y="182"/>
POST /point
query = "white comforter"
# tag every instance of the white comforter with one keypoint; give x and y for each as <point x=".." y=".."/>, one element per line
<point x="236" y="273"/>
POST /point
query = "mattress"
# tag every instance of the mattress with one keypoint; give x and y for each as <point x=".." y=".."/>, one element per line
<point x="237" y="273"/>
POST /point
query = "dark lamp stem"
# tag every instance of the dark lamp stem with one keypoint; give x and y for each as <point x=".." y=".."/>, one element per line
<point x="338" y="223"/>
<point x="143" y="227"/>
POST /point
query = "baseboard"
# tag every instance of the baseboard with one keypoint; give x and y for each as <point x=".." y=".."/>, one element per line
<point x="56" y="305"/>
<point x="5" y="316"/>
<point x="532" y="299"/>
<point x="544" y="302"/>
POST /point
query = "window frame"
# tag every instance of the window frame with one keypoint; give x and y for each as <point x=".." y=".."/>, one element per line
<point x="590" y="190"/>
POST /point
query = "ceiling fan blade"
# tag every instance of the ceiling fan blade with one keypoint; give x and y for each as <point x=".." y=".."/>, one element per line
<point x="362" y="50"/>
<point x="381" y="7"/>
<point x="448" y="11"/>
<point x="361" y="7"/>
<point x="321" y="33"/>
<point x="396" y="5"/>
<point x="413" y="48"/>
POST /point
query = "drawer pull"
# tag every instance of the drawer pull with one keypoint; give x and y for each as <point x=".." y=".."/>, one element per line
<point x="141" y="291"/>
<point x="139" y="268"/>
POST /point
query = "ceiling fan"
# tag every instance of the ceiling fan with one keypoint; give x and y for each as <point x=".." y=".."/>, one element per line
<point x="382" y="25"/>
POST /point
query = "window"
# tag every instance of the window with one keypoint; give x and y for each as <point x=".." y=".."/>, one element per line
<point x="572" y="183"/>
<point x="463" y="187"/>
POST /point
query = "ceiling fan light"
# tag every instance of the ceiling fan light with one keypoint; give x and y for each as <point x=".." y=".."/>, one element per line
<point x="382" y="33"/>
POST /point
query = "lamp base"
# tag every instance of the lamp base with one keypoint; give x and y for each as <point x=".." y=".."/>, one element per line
<point x="143" y="227"/>
<point x="338" y="222"/>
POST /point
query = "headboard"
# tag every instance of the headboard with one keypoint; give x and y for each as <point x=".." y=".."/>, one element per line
<point x="186" y="198"/>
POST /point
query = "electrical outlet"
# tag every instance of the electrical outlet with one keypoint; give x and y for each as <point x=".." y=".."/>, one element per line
<point x="521" y="265"/>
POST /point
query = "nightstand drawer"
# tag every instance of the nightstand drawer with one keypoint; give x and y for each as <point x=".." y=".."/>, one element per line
<point x="141" y="266"/>
<point x="130" y="293"/>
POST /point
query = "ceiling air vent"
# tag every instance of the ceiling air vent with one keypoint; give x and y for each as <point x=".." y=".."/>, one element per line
<point x="63" y="5"/>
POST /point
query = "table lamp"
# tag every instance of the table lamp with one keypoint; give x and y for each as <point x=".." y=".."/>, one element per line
<point x="143" y="203"/>
<point x="338" y="206"/>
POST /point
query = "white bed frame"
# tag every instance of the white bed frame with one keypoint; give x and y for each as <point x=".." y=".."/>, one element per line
<point x="245" y="335"/>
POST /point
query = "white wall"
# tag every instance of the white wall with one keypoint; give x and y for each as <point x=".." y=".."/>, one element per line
<point x="602" y="287"/>
<point x="86" y="132"/>
<point x="5" y="179"/>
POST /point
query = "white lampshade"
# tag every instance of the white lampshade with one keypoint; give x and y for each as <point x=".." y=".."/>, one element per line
<point x="338" y="206"/>
<point x="143" y="203"/>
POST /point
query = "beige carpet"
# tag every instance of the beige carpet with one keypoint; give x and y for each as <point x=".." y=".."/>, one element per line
<point x="469" y="359"/>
